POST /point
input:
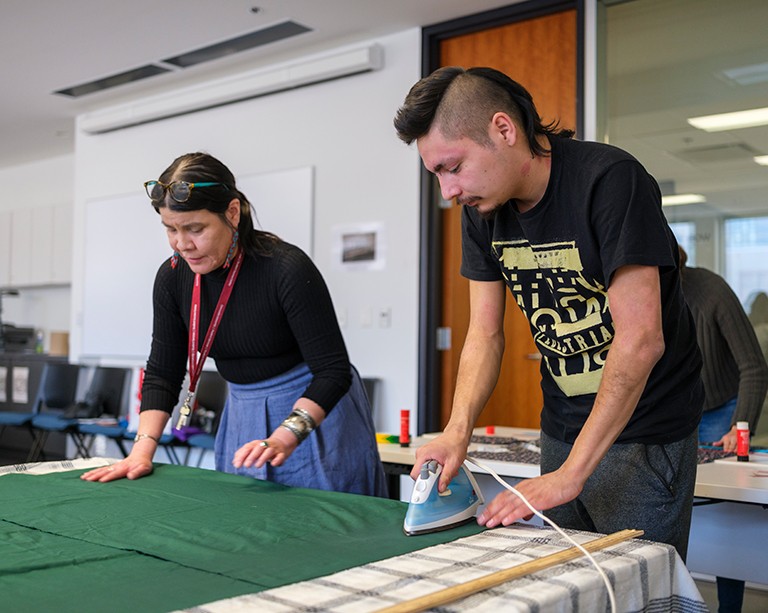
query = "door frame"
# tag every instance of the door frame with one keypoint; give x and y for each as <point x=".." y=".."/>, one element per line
<point x="430" y="231"/>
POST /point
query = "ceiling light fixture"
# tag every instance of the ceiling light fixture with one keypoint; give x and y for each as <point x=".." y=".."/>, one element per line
<point x="731" y="121"/>
<point x="761" y="159"/>
<point x="677" y="199"/>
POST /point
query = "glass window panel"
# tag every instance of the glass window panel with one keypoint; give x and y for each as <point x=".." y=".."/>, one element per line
<point x="746" y="256"/>
<point x="707" y="57"/>
<point x="685" y="233"/>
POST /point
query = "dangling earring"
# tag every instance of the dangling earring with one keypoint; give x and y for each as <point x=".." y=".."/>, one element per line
<point x="175" y="259"/>
<point x="231" y="252"/>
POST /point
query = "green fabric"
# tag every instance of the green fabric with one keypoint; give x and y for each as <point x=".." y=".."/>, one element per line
<point x="181" y="537"/>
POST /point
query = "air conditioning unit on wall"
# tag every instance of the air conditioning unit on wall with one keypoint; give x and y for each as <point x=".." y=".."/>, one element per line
<point x="290" y="75"/>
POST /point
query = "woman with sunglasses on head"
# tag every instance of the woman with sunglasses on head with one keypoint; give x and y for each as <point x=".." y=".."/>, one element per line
<point x="260" y="308"/>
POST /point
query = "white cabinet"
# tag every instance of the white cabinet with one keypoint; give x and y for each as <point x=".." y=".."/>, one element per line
<point x="40" y="246"/>
<point x="22" y="249"/>
<point x="61" y="245"/>
<point x="5" y="248"/>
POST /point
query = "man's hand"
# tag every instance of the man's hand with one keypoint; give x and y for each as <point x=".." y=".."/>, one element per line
<point x="545" y="492"/>
<point x="449" y="451"/>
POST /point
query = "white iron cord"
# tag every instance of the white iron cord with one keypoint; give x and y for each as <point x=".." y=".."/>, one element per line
<point x="611" y="595"/>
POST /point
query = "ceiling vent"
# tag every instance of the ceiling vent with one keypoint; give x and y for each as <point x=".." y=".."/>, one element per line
<point x="748" y="75"/>
<point x="150" y="70"/>
<point x="227" y="48"/>
<point x="241" y="86"/>
<point x="729" y="152"/>
<point x="272" y="34"/>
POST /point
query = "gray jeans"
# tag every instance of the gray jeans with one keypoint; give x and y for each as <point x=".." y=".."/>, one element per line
<point x="637" y="486"/>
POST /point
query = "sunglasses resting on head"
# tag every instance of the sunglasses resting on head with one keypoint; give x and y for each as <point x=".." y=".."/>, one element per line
<point x="180" y="191"/>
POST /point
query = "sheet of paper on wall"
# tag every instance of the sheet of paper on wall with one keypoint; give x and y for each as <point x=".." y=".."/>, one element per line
<point x="3" y="383"/>
<point x="20" y="387"/>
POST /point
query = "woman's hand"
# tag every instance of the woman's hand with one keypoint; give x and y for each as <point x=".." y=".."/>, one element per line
<point x="275" y="450"/>
<point x="139" y="461"/>
<point x="129" y="468"/>
<point x="729" y="440"/>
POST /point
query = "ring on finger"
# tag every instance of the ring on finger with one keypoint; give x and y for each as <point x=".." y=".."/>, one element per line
<point x="264" y="444"/>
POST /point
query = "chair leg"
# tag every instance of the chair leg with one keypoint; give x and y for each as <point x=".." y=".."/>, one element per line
<point x="36" y="452"/>
<point x="173" y="455"/>
<point x="121" y="446"/>
<point x="81" y="448"/>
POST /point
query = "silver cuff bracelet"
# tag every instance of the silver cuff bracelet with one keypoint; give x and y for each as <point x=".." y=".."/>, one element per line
<point x="300" y="423"/>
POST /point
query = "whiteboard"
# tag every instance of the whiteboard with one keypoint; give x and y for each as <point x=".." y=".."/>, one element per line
<point x="125" y="244"/>
<point x="281" y="203"/>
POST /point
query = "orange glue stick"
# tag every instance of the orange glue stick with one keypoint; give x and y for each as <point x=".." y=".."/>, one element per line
<point x="405" y="419"/>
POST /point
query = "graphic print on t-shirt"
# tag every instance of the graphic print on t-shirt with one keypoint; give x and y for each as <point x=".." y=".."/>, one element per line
<point x="568" y="313"/>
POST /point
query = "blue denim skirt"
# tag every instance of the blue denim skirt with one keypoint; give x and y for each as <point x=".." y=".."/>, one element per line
<point x="716" y="422"/>
<point x="340" y="455"/>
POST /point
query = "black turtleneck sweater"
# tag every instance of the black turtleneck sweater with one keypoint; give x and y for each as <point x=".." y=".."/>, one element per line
<point x="279" y="315"/>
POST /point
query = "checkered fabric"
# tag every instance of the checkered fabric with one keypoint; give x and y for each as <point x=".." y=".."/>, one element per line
<point x="645" y="576"/>
<point x="59" y="466"/>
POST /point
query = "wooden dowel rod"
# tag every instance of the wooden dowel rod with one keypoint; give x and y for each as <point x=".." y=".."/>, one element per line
<point x="463" y="590"/>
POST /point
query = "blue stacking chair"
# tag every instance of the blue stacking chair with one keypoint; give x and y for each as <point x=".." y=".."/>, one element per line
<point x="107" y="391"/>
<point x="56" y="395"/>
<point x="110" y="385"/>
<point x="371" y="385"/>
<point x="16" y="414"/>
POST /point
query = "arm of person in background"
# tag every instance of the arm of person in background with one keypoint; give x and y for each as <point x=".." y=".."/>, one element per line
<point x="139" y="460"/>
<point x="740" y="336"/>
<point x="479" y="368"/>
<point x="634" y="296"/>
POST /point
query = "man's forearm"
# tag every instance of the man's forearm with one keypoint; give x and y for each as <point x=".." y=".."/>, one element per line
<point x="625" y="375"/>
<point x="477" y="375"/>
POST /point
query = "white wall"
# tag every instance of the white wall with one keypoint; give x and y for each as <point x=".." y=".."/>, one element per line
<point x="48" y="182"/>
<point x="363" y="174"/>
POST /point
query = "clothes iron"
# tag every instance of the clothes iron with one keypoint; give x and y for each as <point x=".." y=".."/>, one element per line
<point x="430" y="511"/>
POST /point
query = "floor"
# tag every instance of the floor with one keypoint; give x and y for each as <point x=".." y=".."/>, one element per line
<point x="755" y="600"/>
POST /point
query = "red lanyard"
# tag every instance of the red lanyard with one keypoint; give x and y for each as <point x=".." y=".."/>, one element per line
<point x="196" y="361"/>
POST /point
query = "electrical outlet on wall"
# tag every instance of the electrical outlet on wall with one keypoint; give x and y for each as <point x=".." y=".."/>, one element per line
<point x="385" y="317"/>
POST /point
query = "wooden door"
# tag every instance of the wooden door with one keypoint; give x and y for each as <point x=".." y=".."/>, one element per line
<point x="541" y="54"/>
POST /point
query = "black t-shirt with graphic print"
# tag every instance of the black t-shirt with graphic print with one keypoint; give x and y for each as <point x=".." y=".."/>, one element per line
<point x="601" y="211"/>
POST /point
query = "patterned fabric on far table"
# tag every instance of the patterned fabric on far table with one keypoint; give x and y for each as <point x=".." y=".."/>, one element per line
<point x="646" y="577"/>
<point x="709" y="454"/>
<point x="507" y="449"/>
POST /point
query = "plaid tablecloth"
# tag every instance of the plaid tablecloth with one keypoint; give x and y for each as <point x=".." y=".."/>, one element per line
<point x="646" y="576"/>
<point x="58" y="466"/>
